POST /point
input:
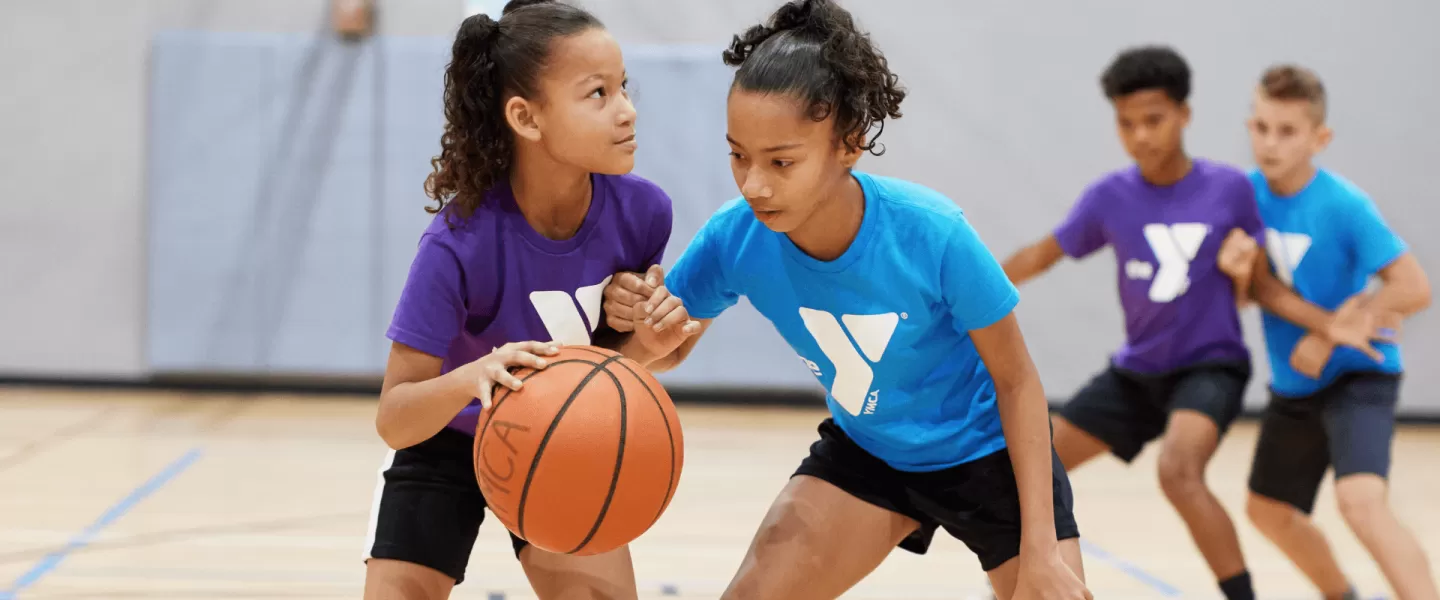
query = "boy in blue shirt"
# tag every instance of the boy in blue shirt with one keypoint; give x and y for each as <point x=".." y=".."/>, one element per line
<point x="893" y="301"/>
<point x="1336" y="378"/>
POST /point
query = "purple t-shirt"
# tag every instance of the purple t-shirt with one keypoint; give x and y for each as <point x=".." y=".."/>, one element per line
<point x="493" y="279"/>
<point x="1179" y="306"/>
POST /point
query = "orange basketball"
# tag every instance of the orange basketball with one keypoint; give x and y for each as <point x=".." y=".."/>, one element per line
<point x="585" y="457"/>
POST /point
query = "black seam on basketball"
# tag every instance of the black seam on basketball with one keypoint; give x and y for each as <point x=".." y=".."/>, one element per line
<point x="619" y="460"/>
<point x="498" y="400"/>
<point x="545" y="441"/>
<point x="481" y="428"/>
<point x="669" y="487"/>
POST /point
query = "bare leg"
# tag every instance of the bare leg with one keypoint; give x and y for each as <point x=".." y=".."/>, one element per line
<point x="399" y="580"/>
<point x="816" y="542"/>
<point x="1365" y="506"/>
<point x="1189" y="442"/>
<point x="1297" y="536"/>
<point x="1005" y="577"/>
<point x="608" y="576"/>
<point x="1074" y="445"/>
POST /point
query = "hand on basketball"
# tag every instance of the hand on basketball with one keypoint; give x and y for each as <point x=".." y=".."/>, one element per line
<point x="1237" y="254"/>
<point x="661" y="322"/>
<point x="1048" y="578"/>
<point x="623" y="296"/>
<point x="494" y="368"/>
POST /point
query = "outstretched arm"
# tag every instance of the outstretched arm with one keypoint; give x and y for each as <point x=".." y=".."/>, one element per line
<point x="1033" y="260"/>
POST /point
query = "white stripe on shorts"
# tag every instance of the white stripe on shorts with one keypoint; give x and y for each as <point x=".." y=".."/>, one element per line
<point x="375" y="503"/>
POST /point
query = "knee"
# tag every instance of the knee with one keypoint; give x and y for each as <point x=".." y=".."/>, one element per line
<point x="1181" y="477"/>
<point x="1269" y="515"/>
<point x="1361" y="499"/>
<point x="792" y="522"/>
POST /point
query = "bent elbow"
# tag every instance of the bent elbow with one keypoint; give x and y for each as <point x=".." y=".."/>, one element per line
<point x="390" y="433"/>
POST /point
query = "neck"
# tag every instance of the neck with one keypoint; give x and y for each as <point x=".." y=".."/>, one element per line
<point x="1291" y="184"/>
<point x="553" y="197"/>
<point x="836" y="221"/>
<point x="1169" y="172"/>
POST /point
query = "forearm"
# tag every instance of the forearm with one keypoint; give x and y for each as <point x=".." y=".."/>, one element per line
<point x="1405" y="289"/>
<point x="412" y="412"/>
<point x="1244" y="290"/>
<point x="636" y="351"/>
<point x="1027" y="264"/>
<point x="1274" y="297"/>
<point x="1025" y="418"/>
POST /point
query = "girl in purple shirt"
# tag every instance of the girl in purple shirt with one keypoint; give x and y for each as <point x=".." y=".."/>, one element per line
<point x="534" y="211"/>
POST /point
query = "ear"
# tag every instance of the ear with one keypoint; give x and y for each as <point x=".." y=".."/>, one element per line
<point x="1184" y="114"/>
<point x="1323" y="137"/>
<point x="850" y="153"/>
<point x="523" y="118"/>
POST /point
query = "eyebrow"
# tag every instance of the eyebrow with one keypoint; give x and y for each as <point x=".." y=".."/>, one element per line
<point x="601" y="77"/>
<point x="770" y="149"/>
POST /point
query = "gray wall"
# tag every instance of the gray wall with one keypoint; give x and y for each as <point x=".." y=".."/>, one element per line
<point x="1004" y="116"/>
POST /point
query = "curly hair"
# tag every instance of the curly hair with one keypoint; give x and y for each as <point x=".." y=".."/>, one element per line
<point x="812" y="50"/>
<point x="491" y="61"/>
<point x="1147" y="68"/>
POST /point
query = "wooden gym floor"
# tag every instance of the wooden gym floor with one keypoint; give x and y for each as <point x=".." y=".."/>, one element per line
<point x="165" y="495"/>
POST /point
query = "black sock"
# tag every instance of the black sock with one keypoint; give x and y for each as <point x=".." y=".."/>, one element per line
<point x="1238" y="587"/>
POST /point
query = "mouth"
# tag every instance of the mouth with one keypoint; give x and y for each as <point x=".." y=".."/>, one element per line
<point x="766" y="216"/>
<point x="628" y="142"/>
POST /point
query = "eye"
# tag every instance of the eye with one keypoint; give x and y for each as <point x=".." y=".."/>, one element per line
<point x="598" y="92"/>
<point x="736" y="156"/>
<point x="781" y="163"/>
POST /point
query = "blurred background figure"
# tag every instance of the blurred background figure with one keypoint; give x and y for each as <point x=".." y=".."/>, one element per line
<point x="209" y="210"/>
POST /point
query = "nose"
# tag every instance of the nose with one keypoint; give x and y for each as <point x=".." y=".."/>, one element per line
<point x="626" y="113"/>
<point x="754" y="185"/>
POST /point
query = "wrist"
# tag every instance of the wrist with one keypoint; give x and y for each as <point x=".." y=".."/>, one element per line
<point x="1037" y="543"/>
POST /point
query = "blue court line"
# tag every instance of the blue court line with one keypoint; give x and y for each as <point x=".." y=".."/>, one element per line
<point x="1155" y="583"/>
<point x="82" y="539"/>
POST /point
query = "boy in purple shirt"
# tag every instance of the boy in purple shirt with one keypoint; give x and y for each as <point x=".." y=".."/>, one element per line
<point x="1182" y="372"/>
<point x="535" y="213"/>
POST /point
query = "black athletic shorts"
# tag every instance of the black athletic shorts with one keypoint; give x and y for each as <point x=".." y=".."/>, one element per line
<point x="1348" y="424"/>
<point x="977" y="502"/>
<point x="1127" y="410"/>
<point x="430" y="506"/>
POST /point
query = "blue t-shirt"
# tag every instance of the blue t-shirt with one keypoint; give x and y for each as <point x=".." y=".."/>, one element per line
<point x="884" y="327"/>
<point x="1325" y="242"/>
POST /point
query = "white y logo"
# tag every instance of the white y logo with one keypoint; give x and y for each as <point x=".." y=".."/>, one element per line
<point x="1174" y="247"/>
<point x="562" y="320"/>
<point x="1286" y="250"/>
<point x="853" y="374"/>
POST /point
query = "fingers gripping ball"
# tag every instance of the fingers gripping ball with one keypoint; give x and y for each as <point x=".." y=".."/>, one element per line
<point x="585" y="457"/>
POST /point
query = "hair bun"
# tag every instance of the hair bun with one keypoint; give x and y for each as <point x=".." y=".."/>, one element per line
<point x="803" y="15"/>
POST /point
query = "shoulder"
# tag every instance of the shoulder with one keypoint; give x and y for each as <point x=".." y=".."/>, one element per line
<point x="449" y="229"/>
<point x="1110" y="186"/>
<point x="926" y="223"/>
<point x="911" y="200"/>
<point x="1222" y="172"/>
<point x="1226" y="176"/>
<point x="1337" y="189"/>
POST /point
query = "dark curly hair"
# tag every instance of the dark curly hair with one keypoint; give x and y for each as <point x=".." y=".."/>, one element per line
<point x="811" y="49"/>
<point x="1147" y="68"/>
<point x="490" y="62"/>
